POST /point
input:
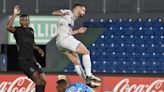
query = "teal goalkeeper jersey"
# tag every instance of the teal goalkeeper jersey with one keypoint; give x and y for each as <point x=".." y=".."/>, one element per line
<point x="79" y="87"/>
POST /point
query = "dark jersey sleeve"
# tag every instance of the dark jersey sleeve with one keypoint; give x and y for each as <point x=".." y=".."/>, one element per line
<point x="16" y="30"/>
<point x="31" y="29"/>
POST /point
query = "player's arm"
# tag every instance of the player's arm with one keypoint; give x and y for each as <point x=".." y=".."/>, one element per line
<point x="59" y="13"/>
<point x="10" y="22"/>
<point x="40" y="51"/>
<point x="80" y="30"/>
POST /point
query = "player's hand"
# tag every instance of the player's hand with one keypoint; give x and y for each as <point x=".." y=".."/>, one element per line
<point x="16" y="10"/>
<point x="41" y="52"/>
<point x="82" y="30"/>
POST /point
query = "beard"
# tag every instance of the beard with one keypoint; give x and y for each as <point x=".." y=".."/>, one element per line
<point x="81" y="15"/>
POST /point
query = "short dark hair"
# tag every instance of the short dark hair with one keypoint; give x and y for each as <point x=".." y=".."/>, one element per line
<point x="24" y="15"/>
<point x="78" y="4"/>
<point x="61" y="85"/>
<point x="62" y="82"/>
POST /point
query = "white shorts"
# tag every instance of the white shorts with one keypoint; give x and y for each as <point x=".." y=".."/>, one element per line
<point x="66" y="42"/>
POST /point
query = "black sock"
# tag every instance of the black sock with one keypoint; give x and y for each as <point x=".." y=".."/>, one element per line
<point x="40" y="88"/>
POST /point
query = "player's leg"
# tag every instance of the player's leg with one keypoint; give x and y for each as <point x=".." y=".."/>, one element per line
<point x="76" y="61"/>
<point x="68" y="46"/>
<point x="31" y="69"/>
<point x="38" y="76"/>
<point x="40" y="83"/>
<point x="81" y="49"/>
<point x="42" y="76"/>
<point x="74" y="45"/>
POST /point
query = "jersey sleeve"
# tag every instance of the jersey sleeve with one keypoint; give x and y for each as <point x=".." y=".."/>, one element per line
<point x="31" y="29"/>
<point x="65" y="10"/>
<point x="16" y="29"/>
<point x="84" y="87"/>
<point x="68" y="90"/>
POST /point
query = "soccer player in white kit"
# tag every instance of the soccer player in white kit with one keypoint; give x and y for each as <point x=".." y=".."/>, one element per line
<point x="66" y="42"/>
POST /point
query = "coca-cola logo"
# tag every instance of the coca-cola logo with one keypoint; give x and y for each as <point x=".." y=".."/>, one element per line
<point x="125" y="86"/>
<point x="21" y="84"/>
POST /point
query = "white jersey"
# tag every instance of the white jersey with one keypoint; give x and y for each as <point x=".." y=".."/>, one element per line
<point x="66" y="23"/>
<point x="65" y="41"/>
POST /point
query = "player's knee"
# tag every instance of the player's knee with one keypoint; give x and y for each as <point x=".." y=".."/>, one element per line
<point x="87" y="52"/>
<point x="43" y="82"/>
<point x="76" y="63"/>
<point x="38" y="82"/>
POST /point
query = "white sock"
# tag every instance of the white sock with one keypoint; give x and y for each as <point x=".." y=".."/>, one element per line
<point x="80" y="71"/>
<point x="87" y="64"/>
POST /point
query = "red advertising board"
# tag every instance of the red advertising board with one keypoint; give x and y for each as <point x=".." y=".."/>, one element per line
<point x="133" y="84"/>
<point x="20" y="83"/>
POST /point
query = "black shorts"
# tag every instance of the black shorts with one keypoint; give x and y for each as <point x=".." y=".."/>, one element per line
<point x="29" y="66"/>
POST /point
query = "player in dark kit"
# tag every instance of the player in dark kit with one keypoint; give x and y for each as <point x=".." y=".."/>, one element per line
<point x="24" y="36"/>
